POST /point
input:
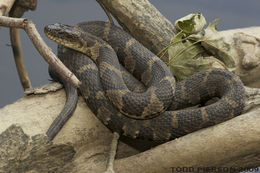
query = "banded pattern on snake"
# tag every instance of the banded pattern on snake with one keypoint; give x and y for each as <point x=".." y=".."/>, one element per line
<point x="161" y="125"/>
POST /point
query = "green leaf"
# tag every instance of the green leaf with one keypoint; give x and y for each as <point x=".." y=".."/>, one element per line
<point x="191" y="24"/>
<point x="216" y="44"/>
<point x="182" y="57"/>
<point x="190" y="43"/>
<point x="189" y="67"/>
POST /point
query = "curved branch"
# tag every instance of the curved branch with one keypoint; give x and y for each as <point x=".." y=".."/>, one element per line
<point x="41" y="46"/>
<point x="143" y="21"/>
<point x="18" y="57"/>
<point x="18" y="9"/>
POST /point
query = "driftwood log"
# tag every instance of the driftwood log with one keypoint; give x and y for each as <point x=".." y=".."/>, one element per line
<point x="234" y="144"/>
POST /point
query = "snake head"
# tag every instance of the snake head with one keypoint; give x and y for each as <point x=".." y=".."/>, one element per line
<point x="65" y="35"/>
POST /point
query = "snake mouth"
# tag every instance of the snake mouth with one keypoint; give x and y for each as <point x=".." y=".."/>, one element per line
<point x="65" y="35"/>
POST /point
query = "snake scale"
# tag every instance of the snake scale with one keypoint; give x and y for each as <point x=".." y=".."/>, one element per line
<point x="110" y="90"/>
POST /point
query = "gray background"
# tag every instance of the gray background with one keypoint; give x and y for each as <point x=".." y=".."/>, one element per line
<point x="232" y="14"/>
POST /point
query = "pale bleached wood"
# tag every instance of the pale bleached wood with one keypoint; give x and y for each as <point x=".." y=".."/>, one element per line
<point x="5" y="6"/>
<point x="234" y="143"/>
<point x="231" y="143"/>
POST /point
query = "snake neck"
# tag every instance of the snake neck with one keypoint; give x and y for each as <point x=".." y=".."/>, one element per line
<point x="76" y="39"/>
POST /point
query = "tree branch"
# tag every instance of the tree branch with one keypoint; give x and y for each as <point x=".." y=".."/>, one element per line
<point x="143" y="21"/>
<point x="231" y="143"/>
<point x="18" y="57"/>
<point x="234" y="143"/>
<point x="21" y="6"/>
<point x="5" y="6"/>
<point x="41" y="46"/>
<point x="17" y="10"/>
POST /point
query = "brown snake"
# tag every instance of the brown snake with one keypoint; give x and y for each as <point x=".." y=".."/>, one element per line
<point x="107" y="87"/>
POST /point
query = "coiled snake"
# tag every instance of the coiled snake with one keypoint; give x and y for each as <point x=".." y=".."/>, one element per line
<point x="142" y="101"/>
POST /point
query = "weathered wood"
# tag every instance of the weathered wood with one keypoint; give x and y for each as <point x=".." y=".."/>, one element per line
<point x="21" y="6"/>
<point x="232" y="143"/>
<point x="21" y="153"/>
<point x="18" y="58"/>
<point x="143" y="21"/>
<point x="41" y="46"/>
<point x="18" y="9"/>
<point x="5" y="6"/>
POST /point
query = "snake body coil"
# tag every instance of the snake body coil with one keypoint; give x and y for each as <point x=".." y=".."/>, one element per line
<point x="174" y="122"/>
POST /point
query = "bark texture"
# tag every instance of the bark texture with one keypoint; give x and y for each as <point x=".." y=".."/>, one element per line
<point x="143" y="21"/>
<point x="21" y="153"/>
<point x="230" y="144"/>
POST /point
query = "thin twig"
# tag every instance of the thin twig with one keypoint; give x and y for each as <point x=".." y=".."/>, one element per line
<point x="18" y="57"/>
<point x="112" y="153"/>
<point x="17" y="10"/>
<point x="41" y="46"/>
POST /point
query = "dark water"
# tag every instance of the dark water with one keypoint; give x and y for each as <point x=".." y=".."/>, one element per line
<point x="232" y="14"/>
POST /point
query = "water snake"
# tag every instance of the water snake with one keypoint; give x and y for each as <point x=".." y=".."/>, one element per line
<point x="157" y="124"/>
